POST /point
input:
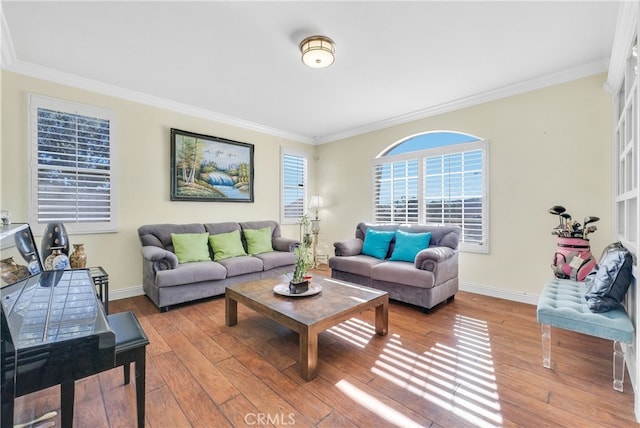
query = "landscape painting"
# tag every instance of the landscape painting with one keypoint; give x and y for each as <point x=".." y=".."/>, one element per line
<point x="206" y="168"/>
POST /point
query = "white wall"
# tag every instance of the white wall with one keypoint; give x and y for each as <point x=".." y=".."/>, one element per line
<point x="547" y="147"/>
<point x="143" y="169"/>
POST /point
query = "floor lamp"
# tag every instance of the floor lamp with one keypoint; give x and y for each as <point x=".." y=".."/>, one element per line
<point x="315" y="204"/>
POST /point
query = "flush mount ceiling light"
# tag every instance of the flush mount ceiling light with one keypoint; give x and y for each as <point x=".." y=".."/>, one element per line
<point x="317" y="51"/>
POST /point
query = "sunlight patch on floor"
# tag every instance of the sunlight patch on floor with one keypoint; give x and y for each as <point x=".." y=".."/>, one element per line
<point x="355" y="331"/>
<point x="376" y="406"/>
<point x="459" y="378"/>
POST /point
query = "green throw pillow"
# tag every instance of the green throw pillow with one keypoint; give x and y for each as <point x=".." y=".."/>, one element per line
<point x="258" y="240"/>
<point x="190" y="247"/>
<point x="376" y="242"/>
<point x="408" y="245"/>
<point x="226" y="245"/>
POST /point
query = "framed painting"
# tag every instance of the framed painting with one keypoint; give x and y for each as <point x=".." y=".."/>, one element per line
<point x="210" y="169"/>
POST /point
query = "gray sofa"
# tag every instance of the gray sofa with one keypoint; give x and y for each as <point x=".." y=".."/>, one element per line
<point x="168" y="282"/>
<point x="431" y="279"/>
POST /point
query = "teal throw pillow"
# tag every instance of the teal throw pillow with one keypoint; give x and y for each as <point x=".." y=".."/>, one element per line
<point x="191" y="247"/>
<point x="226" y="245"/>
<point x="258" y="240"/>
<point x="408" y="245"/>
<point x="376" y="242"/>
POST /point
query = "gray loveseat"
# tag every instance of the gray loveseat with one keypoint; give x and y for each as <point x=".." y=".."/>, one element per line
<point x="168" y="282"/>
<point x="427" y="281"/>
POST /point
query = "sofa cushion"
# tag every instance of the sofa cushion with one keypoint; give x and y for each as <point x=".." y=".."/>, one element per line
<point x="191" y="247"/>
<point x="408" y="245"/>
<point x="359" y="265"/>
<point x="402" y="273"/>
<point x="258" y="240"/>
<point x="376" y="243"/>
<point x="223" y="227"/>
<point x="225" y="245"/>
<point x="241" y="265"/>
<point x="159" y="235"/>
<point x="277" y="259"/>
<point x="190" y="273"/>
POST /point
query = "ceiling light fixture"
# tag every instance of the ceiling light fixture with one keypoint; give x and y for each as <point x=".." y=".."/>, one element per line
<point x="317" y="51"/>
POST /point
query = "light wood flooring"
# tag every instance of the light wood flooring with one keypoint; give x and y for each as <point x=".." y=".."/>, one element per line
<point x="474" y="362"/>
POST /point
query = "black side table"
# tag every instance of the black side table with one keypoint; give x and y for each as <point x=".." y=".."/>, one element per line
<point x="101" y="280"/>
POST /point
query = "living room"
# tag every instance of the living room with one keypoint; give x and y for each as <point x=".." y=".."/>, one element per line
<point x="549" y="144"/>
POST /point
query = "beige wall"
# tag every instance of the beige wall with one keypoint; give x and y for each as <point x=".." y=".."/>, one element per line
<point x="143" y="171"/>
<point x="550" y="146"/>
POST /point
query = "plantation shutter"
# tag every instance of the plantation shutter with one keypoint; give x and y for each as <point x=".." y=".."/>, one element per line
<point x="294" y="178"/>
<point x="435" y="178"/>
<point x="72" y="180"/>
<point x="396" y="193"/>
<point x="454" y="192"/>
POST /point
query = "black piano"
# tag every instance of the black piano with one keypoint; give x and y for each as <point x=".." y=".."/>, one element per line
<point x="54" y="331"/>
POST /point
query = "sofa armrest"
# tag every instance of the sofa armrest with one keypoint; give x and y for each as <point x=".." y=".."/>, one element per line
<point x="284" y="244"/>
<point x="428" y="258"/>
<point x="441" y="261"/>
<point x="348" y="247"/>
<point x="160" y="258"/>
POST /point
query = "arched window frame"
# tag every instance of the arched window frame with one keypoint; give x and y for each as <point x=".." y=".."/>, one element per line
<point x="404" y="174"/>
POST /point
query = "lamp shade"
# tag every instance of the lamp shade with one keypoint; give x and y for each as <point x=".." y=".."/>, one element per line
<point x="315" y="203"/>
<point x="317" y="51"/>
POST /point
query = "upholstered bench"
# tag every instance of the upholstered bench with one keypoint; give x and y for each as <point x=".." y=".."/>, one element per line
<point x="131" y="342"/>
<point x="562" y="305"/>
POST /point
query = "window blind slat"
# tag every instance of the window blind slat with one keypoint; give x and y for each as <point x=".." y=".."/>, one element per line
<point x="73" y="181"/>
<point x="294" y="173"/>
<point x="448" y="190"/>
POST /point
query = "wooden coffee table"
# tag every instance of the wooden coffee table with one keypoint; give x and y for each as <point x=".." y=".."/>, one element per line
<point x="309" y="315"/>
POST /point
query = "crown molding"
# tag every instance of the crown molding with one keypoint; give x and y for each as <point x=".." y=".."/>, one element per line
<point x="9" y="62"/>
<point x="625" y="31"/>
<point x="75" y="81"/>
<point x="8" y="55"/>
<point x="584" y="70"/>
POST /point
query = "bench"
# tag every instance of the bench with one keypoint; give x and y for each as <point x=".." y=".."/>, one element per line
<point x="562" y="305"/>
<point x="131" y="342"/>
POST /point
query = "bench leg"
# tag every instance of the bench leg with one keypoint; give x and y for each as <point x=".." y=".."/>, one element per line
<point x="618" y="366"/>
<point x="546" y="346"/>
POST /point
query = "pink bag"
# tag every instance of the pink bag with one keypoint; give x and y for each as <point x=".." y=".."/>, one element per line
<point x="573" y="260"/>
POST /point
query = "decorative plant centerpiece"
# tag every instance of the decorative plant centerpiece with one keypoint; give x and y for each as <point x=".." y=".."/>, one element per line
<point x="298" y="283"/>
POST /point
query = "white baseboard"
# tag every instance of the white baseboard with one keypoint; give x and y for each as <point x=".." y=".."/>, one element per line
<point x="499" y="293"/>
<point x="123" y="293"/>
<point x="484" y="290"/>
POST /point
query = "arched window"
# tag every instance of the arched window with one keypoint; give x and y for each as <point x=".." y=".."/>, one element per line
<point x="436" y="177"/>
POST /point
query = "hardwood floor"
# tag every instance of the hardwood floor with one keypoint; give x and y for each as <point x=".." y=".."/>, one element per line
<point x="474" y="362"/>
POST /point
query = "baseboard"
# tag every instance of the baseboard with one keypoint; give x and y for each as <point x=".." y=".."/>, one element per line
<point x="499" y="293"/>
<point x="484" y="290"/>
<point x="123" y="293"/>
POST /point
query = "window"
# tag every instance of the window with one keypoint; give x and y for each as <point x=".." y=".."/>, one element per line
<point x="436" y="177"/>
<point x="294" y="187"/>
<point x="72" y="177"/>
<point x="626" y="153"/>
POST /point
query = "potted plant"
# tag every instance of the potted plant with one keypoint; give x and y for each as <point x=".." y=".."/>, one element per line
<point x="298" y="283"/>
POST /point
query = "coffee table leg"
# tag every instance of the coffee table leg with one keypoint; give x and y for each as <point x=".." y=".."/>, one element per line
<point x="230" y="310"/>
<point x="382" y="318"/>
<point x="308" y="355"/>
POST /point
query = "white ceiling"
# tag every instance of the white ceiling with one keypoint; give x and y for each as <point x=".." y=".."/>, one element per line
<point x="239" y="61"/>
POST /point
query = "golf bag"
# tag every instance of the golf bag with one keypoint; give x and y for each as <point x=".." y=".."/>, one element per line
<point x="573" y="259"/>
